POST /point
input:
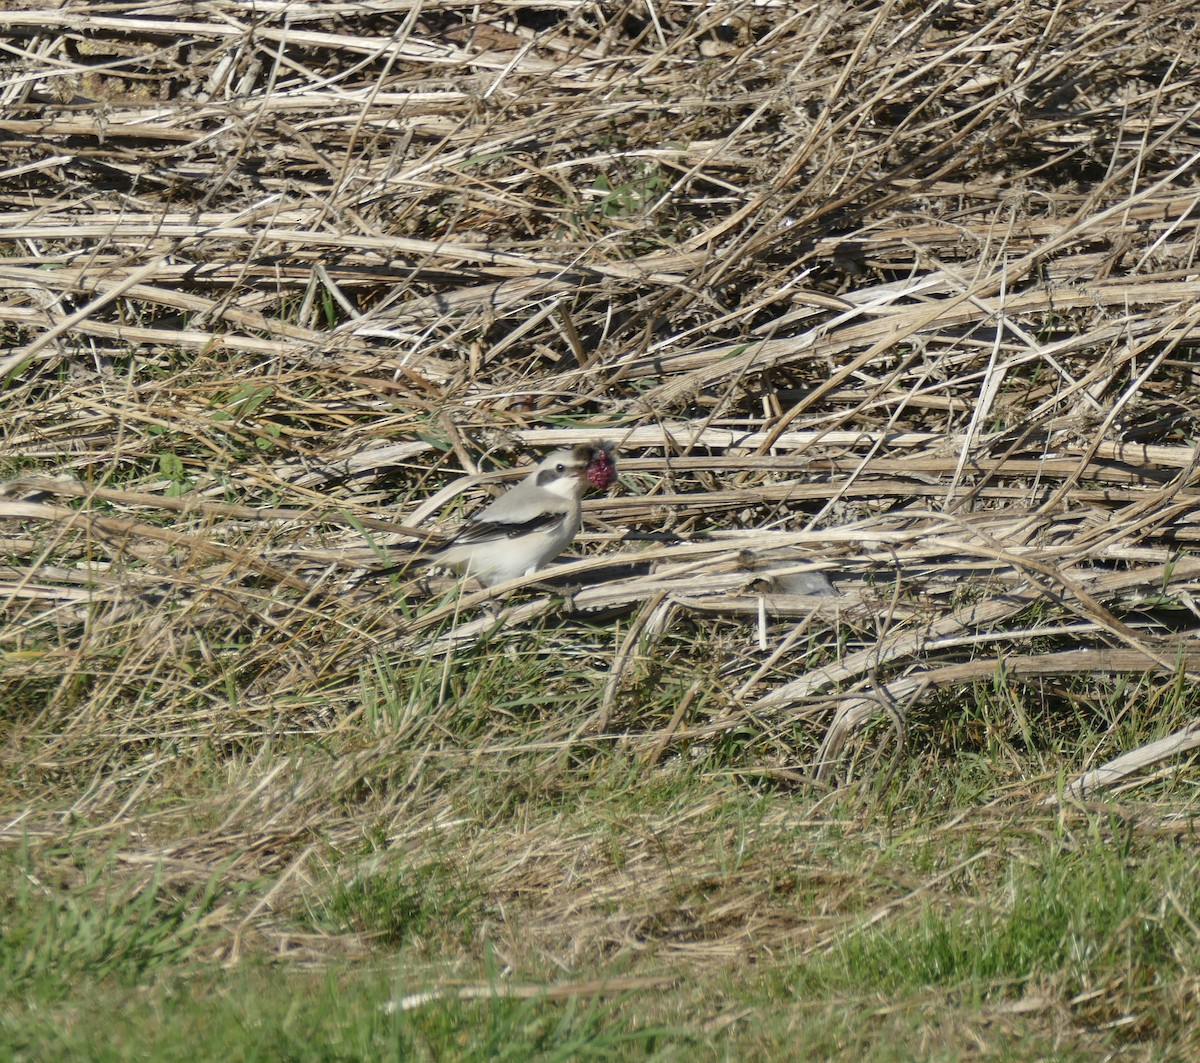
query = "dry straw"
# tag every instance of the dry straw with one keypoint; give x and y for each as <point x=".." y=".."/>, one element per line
<point x="905" y="294"/>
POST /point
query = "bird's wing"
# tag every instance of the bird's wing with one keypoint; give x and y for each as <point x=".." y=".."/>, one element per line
<point x="517" y="513"/>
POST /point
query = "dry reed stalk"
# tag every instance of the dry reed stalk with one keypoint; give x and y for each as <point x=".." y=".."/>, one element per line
<point x="907" y="296"/>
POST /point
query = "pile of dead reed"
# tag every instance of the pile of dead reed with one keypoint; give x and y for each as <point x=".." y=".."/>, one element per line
<point x="903" y="294"/>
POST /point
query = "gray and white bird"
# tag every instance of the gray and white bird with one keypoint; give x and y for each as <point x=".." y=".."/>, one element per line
<point x="532" y="523"/>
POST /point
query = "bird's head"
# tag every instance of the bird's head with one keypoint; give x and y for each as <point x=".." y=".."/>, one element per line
<point x="570" y="472"/>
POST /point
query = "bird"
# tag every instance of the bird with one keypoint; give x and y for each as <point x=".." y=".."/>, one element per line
<point x="533" y="522"/>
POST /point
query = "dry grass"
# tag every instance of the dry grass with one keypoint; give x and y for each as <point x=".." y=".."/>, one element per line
<point x="901" y="293"/>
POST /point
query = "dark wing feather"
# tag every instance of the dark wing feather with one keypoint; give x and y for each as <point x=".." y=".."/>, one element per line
<point x="479" y="531"/>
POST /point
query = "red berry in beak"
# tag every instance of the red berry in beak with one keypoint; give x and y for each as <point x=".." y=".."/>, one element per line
<point x="601" y="470"/>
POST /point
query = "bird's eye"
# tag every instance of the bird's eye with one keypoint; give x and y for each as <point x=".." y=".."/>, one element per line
<point x="560" y="467"/>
